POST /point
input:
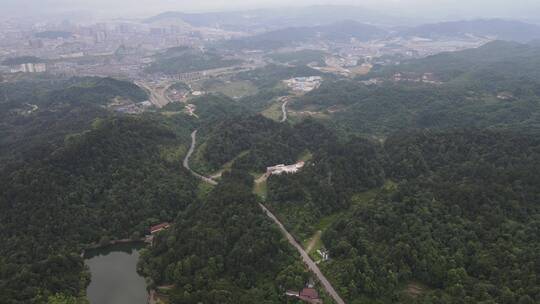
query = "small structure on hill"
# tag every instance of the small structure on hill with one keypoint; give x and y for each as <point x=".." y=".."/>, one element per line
<point x="158" y="228"/>
<point x="325" y="255"/>
<point x="280" y="169"/>
<point x="308" y="295"/>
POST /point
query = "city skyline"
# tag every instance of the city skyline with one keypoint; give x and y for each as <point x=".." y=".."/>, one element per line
<point x="440" y="9"/>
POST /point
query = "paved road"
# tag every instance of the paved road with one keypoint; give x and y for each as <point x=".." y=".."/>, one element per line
<point x="305" y="257"/>
<point x="188" y="156"/>
<point x="284" y="109"/>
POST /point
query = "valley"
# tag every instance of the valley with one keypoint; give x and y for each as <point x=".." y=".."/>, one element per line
<point x="291" y="159"/>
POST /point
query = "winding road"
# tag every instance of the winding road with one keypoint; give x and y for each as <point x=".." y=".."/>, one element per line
<point x="305" y="257"/>
<point x="188" y="156"/>
<point x="284" y="110"/>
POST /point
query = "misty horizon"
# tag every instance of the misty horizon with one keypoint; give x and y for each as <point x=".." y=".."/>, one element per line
<point x="419" y="9"/>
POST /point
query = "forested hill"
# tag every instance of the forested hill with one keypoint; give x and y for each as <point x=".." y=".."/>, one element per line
<point x="507" y="60"/>
<point x="501" y="29"/>
<point x="338" y="31"/>
<point x="494" y="86"/>
<point x="37" y="113"/>
<point x="224" y="250"/>
<point x="111" y="182"/>
<point x="183" y="60"/>
<point x="460" y="226"/>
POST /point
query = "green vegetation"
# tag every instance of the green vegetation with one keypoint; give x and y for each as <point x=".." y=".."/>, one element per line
<point x="303" y="57"/>
<point x="37" y="114"/>
<point x="443" y="210"/>
<point x="292" y="36"/>
<point x="326" y="185"/>
<point x="274" y="112"/>
<point x="184" y="60"/>
<point x="74" y="174"/>
<point x="461" y="221"/>
<point x="254" y="143"/>
<point x="272" y="75"/>
<point x="104" y="184"/>
<point x="224" y="250"/>
<point x="232" y="89"/>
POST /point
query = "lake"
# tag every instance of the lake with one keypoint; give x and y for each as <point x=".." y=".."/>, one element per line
<point x="114" y="275"/>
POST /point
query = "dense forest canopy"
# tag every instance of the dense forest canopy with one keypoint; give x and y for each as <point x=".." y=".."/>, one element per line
<point x="224" y="250"/>
<point x="422" y="186"/>
<point x="495" y="86"/>
<point x="38" y="113"/>
<point x="109" y="183"/>
<point x="463" y="220"/>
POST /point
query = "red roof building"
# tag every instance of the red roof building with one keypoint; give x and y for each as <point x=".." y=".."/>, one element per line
<point x="309" y="293"/>
<point x="157" y="228"/>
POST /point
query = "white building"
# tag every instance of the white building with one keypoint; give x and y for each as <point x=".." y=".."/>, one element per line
<point x="280" y="169"/>
<point x="30" y="68"/>
<point x="304" y="84"/>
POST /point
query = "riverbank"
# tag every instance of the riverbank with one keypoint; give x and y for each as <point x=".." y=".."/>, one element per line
<point x="112" y="243"/>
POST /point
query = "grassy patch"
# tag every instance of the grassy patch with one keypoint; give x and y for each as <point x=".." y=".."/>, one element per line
<point x="173" y="154"/>
<point x="274" y="112"/>
<point x="261" y="189"/>
<point x="204" y="190"/>
<point x="235" y="89"/>
<point x="305" y="156"/>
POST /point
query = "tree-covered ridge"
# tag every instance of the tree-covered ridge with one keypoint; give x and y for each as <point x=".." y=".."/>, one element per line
<point x="184" y="60"/>
<point x="497" y="60"/>
<point x="463" y="222"/>
<point x="258" y="142"/>
<point x="303" y="57"/>
<point x="326" y="184"/>
<point x="271" y="75"/>
<point x="98" y="90"/>
<point x="494" y="86"/>
<point x="224" y="250"/>
<point x="36" y="114"/>
<point x="383" y="109"/>
<point x="111" y="182"/>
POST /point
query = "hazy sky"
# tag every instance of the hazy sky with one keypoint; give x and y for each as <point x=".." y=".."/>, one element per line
<point x="436" y="8"/>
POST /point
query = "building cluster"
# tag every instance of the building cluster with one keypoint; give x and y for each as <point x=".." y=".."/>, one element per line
<point x="283" y="169"/>
<point x="304" y="84"/>
<point x="411" y="77"/>
<point x="160" y="227"/>
<point x="111" y="48"/>
<point x="29" y="68"/>
<point x="324" y="254"/>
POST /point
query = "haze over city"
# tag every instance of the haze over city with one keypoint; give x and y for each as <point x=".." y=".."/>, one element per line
<point x="425" y="9"/>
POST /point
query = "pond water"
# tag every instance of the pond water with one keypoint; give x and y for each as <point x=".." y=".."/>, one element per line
<point x="114" y="275"/>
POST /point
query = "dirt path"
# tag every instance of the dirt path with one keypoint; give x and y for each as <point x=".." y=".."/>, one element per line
<point x="316" y="237"/>
<point x="188" y="156"/>
<point x="284" y="109"/>
<point x="305" y="257"/>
